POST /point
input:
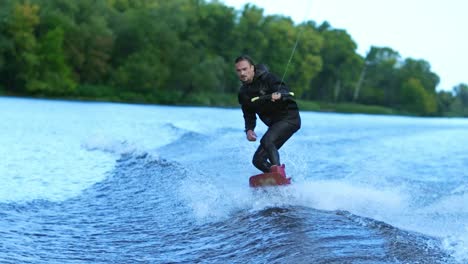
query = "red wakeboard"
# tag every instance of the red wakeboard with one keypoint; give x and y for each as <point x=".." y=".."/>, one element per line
<point x="268" y="179"/>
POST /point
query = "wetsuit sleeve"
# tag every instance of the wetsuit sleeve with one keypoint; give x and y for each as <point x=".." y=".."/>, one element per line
<point x="249" y="117"/>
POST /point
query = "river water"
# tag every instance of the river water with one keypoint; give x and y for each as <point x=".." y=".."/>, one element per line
<point x="117" y="183"/>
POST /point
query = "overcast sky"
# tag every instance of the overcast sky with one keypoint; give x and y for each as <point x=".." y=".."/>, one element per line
<point x="433" y="30"/>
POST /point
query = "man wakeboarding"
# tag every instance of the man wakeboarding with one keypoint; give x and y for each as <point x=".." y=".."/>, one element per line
<point x="265" y="95"/>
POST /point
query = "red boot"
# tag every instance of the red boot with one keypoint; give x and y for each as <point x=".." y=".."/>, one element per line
<point x="276" y="176"/>
<point x="278" y="169"/>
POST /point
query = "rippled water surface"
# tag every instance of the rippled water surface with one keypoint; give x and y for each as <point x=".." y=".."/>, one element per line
<point x="117" y="183"/>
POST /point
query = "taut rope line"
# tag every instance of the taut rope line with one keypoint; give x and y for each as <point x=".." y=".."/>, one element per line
<point x="295" y="46"/>
<point x="292" y="54"/>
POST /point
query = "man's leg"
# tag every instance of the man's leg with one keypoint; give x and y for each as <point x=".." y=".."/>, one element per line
<point x="274" y="139"/>
<point x="260" y="159"/>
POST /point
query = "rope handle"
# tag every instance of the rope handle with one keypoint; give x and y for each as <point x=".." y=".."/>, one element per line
<point x="268" y="96"/>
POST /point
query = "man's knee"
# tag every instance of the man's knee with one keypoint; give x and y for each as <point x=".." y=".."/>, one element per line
<point x="267" y="143"/>
<point x="261" y="162"/>
<point x="258" y="158"/>
<point x="256" y="163"/>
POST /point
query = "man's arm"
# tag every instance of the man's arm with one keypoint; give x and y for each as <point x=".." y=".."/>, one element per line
<point x="250" y="118"/>
<point x="250" y="121"/>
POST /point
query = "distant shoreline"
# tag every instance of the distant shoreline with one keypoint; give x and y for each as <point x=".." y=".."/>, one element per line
<point x="230" y="101"/>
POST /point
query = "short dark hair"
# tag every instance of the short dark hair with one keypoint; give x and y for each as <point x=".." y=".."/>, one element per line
<point x="244" y="57"/>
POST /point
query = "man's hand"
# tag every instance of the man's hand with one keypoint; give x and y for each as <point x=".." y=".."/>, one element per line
<point x="275" y="96"/>
<point x="251" y="136"/>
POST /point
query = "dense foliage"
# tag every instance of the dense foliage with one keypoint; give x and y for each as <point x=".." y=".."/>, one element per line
<point x="182" y="51"/>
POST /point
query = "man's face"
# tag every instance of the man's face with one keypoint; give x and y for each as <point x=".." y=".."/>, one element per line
<point x="245" y="71"/>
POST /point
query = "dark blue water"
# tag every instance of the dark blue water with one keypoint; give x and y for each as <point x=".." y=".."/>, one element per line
<point x="115" y="183"/>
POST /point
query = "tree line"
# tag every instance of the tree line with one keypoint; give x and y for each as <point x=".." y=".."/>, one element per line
<point x="183" y="50"/>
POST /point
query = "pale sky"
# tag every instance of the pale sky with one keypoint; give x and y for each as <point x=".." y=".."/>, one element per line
<point x="433" y="30"/>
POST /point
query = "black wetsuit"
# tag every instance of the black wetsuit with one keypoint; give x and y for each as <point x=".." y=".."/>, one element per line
<point x="282" y="116"/>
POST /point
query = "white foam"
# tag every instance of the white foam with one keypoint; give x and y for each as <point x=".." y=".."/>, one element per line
<point x="341" y="195"/>
<point x="218" y="200"/>
<point x="457" y="245"/>
<point x="102" y="143"/>
<point x="452" y="204"/>
<point x="207" y="201"/>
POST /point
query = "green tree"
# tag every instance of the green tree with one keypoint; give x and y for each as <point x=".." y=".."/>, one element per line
<point x="380" y="84"/>
<point x="6" y="46"/>
<point x="306" y="62"/>
<point x="142" y="73"/>
<point x="138" y="61"/>
<point x="460" y="104"/>
<point x="24" y="60"/>
<point x="280" y="36"/>
<point x="250" y="33"/>
<point x="149" y="57"/>
<point x="416" y="99"/>
<point x="90" y="42"/>
<point x="421" y="70"/>
<point x="445" y="100"/>
<point x="208" y="76"/>
<point x="125" y="5"/>
<point x="88" y="39"/>
<point x="206" y="38"/>
<point x="211" y="27"/>
<point x="339" y="74"/>
<point x="54" y="77"/>
<point x="412" y="70"/>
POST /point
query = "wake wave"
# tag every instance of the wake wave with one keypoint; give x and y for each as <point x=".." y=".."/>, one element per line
<point x="151" y="203"/>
